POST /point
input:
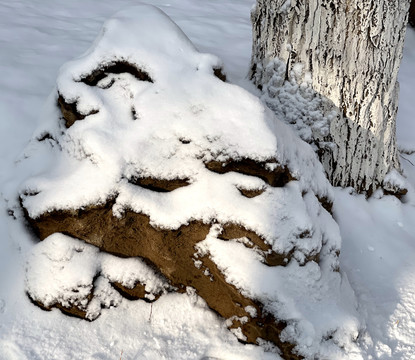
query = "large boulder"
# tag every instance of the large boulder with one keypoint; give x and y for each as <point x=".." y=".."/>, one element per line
<point x="147" y="156"/>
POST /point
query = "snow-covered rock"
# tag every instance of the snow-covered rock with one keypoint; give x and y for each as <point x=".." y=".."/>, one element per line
<point x="80" y="280"/>
<point x="146" y="152"/>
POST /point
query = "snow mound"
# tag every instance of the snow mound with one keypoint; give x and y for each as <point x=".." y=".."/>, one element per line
<point x="143" y="131"/>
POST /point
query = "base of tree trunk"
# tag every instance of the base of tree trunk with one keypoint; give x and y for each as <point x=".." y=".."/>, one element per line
<point x="330" y="70"/>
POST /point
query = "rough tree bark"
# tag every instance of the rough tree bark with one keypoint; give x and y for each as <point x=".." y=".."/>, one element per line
<point x="344" y="55"/>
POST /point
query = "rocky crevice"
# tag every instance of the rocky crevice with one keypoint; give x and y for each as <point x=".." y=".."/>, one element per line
<point x="70" y="111"/>
<point x="270" y="171"/>
<point x="158" y="185"/>
<point x="116" y="67"/>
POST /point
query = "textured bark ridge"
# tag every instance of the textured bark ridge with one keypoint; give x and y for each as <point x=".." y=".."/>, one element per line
<point x="344" y="58"/>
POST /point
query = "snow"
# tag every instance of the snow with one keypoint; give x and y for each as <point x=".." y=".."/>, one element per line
<point x="321" y="314"/>
<point x="64" y="270"/>
<point x="179" y="98"/>
<point x="405" y="128"/>
<point x="394" y="180"/>
<point x="377" y="254"/>
<point x="298" y="105"/>
<point x="37" y="37"/>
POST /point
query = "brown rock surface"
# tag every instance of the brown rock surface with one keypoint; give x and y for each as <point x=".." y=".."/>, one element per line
<point x="173" y="253"/>
<point x="159" y="185"/>
<point x="70" y="112"/>
<point x="75" y="310"/>
<point x="138" y="292"/>
<point x="274" y="177"/>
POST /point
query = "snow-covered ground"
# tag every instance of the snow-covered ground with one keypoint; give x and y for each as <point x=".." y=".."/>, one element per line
<point x="36" y="38"/>
<point x="378" y="245"/>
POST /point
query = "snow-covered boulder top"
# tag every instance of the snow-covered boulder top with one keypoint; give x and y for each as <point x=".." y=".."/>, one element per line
<point x="144" y="103"/>
<point x="145" y="151"/>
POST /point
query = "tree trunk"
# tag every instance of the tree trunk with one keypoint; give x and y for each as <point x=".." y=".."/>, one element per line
<point x="330" y="68"/>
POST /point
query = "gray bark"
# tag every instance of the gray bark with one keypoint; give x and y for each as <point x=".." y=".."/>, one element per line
<point x="338" y="60"/>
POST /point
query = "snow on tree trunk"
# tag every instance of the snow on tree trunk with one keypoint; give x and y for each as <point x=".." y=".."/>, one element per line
<point x="330" y="68"/>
